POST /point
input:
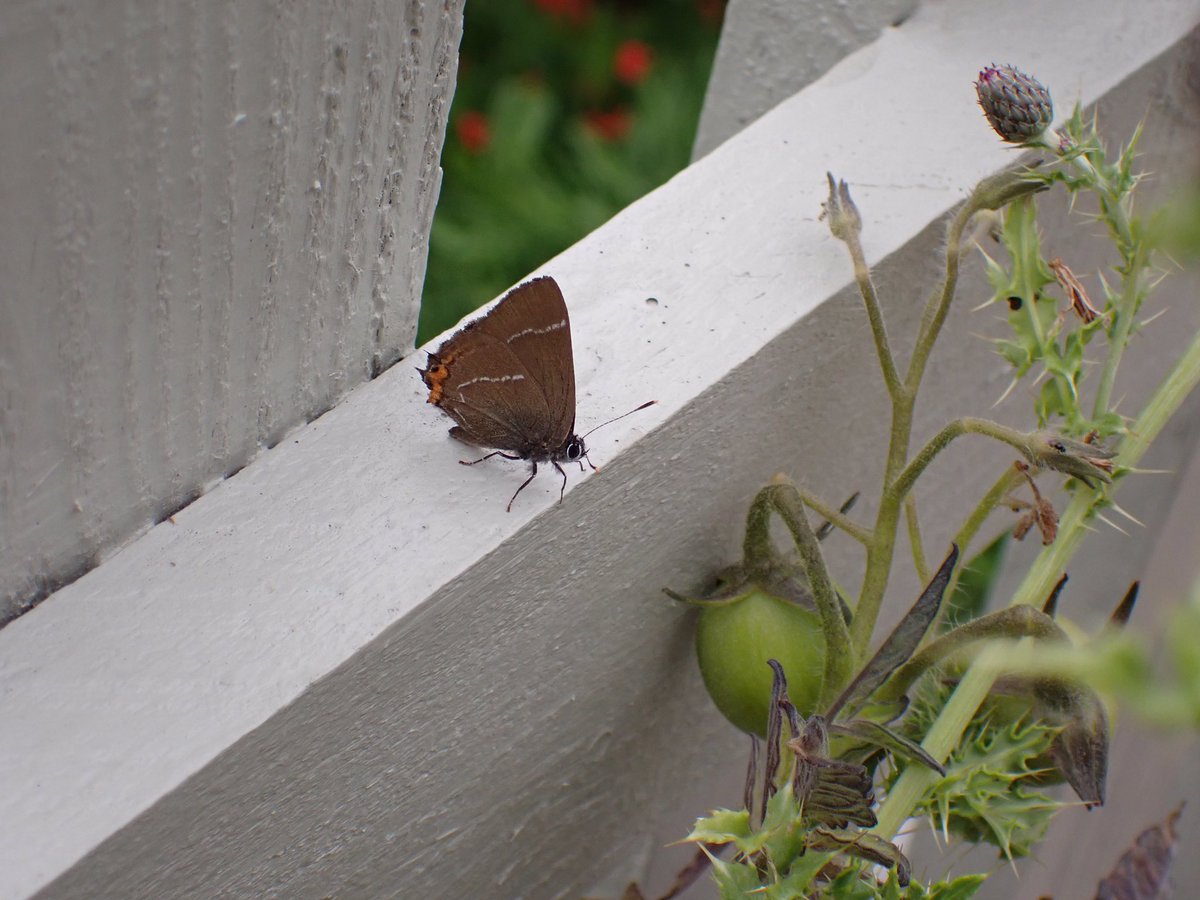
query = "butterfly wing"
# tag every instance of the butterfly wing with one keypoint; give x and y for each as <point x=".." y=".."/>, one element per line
<point x="481" y="384"/>
<point x="532" y="322"/>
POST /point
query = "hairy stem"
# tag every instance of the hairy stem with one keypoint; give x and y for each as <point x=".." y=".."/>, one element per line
<point x="913" y="523"/>
<point x="882" y="548"/>
<point x="973" y="689"/>
<point x="866" y="288"/>
<point x="839" y="659"/>
<point x="967" y="425"/>
<point x="1008" y="480"/>
<point x="834" y="516"/>
<point x="938" y="305"/>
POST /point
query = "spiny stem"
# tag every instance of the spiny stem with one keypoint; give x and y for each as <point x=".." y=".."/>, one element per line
<point x="1163" y="403"/>
<point x="973" y="688"/>
<point x="1125" y="313"/>
<point x="908" y="790"/>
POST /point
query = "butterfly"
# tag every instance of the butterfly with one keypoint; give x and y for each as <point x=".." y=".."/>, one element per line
<point x="508" y="381"/>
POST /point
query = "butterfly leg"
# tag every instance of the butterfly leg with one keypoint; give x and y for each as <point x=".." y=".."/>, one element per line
<point x="462" y="436"/>
<point x="524" y="484"/>
<point x="471" y="462"/>
<point x="564" y="484"/>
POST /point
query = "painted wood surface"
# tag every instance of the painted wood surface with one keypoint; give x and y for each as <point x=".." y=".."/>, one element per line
<point x="214" y="224"/>
<point x="348" y="671"/>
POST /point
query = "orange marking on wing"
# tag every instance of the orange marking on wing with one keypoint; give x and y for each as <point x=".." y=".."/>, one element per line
<point x="435" y="377"/>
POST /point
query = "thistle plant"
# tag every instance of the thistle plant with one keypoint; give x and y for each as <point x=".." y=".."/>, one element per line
<point x="947" y="719"/>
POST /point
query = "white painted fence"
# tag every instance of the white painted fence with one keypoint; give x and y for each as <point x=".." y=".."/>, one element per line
<point x="347" y="671"/>
<point x="214" y="224"/>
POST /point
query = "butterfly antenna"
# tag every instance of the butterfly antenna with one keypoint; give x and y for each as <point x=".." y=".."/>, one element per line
<point x="618" y="418"/>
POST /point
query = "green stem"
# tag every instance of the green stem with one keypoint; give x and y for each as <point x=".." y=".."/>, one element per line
<point x="834" y="516"/>
<point x="1009" y="479"/>
<point x="973" y="689"/>
<point x="1163" y="404"/>
<point x="991" y="193"/>
<point x="839" y="658"/>
<point x="966" y="425"/>
<point x="911" y="786"/>
<point x="1011" y="622"/>
<point x="914" y="538"/>
<point x="938" y="305"/>
<point x="759" y="555"/>
<point x="866" y="288"/>
<point x="875" y="576"/>
<point x="1112" y="203"/>
<point x="1124" y="312"/>
<point x="1114" y="206"/>
<point x="881" y="550"/>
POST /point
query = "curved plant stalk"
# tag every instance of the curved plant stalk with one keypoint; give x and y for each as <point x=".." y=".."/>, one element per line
<point x="1013" y="622"/>
<point x="846" y="224"/>
<point x="783" y="499"/>
<point x="1047" y="568"/>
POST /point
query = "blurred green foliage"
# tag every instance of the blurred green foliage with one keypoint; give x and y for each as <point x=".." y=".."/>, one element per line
<point x="565" y="112"/>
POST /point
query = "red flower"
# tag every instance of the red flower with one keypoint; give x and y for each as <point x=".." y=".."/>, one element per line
<point x="632" y="61"/>
<point x="609" y="125"/>
<point x="574" y="11"/>
<point x="711" y="11"/>
<point x="473" y="131"/>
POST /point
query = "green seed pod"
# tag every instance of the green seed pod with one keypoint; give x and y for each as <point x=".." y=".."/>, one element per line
<point x="772" y="607"/>
<point x="735" y="638"/>
<point x="733" y="643"/>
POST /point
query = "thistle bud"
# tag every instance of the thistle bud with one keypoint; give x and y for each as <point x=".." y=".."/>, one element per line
<point x="1018" y="107"/>
<point x="1087" y="462"/>
<point x="839" y="209"/>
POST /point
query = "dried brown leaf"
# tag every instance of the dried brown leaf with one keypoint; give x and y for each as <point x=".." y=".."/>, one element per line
<point x="1141" y="872"/>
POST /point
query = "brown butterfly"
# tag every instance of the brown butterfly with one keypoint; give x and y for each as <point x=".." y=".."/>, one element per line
<point x="508" y="380"/>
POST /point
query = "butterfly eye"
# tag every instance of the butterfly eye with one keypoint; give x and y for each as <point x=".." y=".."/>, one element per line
<point x="574" y="450"/>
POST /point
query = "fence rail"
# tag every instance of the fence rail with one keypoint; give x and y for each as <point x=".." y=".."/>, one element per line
<point x="348" y="671"/>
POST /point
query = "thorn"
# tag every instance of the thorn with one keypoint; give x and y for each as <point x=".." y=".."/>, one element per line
<point x="1051" y="604"/>
<point x="1132" y="518"/>
<point x="1008" y="390"/>
<point x="1120" y="615"/>
<point x="1111" y="524"/>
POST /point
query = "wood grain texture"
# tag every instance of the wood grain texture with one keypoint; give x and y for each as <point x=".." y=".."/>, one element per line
<point x="215" y="223"/>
